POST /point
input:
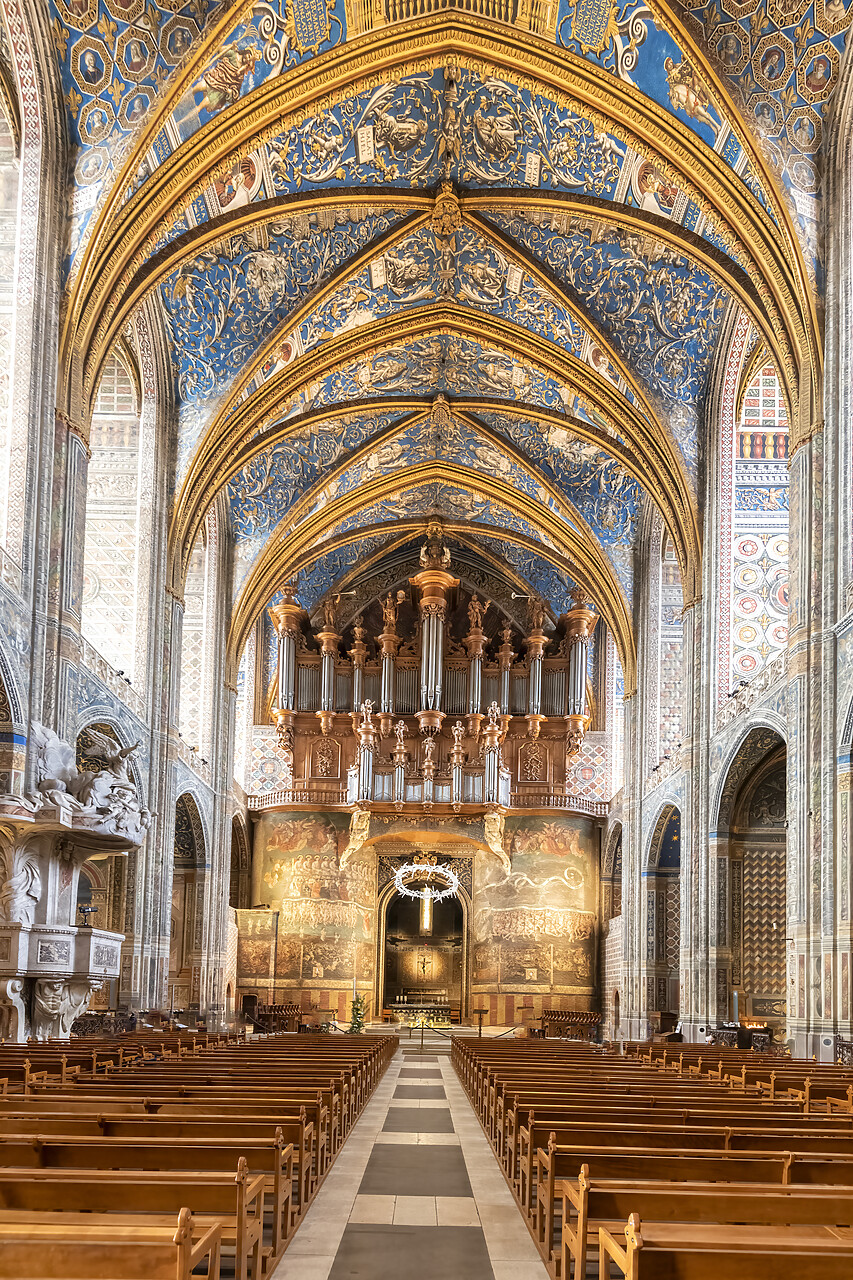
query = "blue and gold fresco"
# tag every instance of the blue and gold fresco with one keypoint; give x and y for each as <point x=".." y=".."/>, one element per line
<point x="262" y="493"/>
<point x="593" y="481"/>
<point x="782" y="60"/>
<point x="438" y="363"/>
<point x="449" y="501"/>
<point x="115" y="58"/>
<point x="221" y="304"/>
<point x="494" y="134"/>
<point x="660" y="312"/>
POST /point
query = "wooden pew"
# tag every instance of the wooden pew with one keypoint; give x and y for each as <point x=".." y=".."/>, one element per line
<point x="235" y="1204"/>
<point x="72" y="1249"/>
<point x="591" y="1203"/>
<point x="273" y="1158"/>
<point x="688" y="1251"/>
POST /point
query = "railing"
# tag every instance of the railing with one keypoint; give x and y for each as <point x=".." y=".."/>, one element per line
<point x="287" y="795"/>
<point x="538" y="16"/>
<point x="118" y="685"/>
<point x="546" y="800"/>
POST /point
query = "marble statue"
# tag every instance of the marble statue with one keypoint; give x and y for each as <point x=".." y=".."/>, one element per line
<point x="20" y="886"/>
<point x="57" y="1003"/>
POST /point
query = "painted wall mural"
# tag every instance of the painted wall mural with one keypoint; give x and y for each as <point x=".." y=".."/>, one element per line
<point x="325" y="916"/>
<point x="534" y="927"/>
<point x="759" y="550"/>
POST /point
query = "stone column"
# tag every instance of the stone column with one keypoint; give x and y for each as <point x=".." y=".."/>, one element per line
<point x="493" y="734"/>
<point x="457" y="760"/>
<point x="505" y="658"/>
<point x="366" y="734"/>
<point x="358" y="654"/>
<point x="400" y="757"/>
<point x="287" y="619"/>
<point x="535" y="644"/>
<point x="329" y="641"/>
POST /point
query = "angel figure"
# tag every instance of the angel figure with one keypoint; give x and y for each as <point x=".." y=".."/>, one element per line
<point x="97" y="790"/>
<point x="688" y="94"/>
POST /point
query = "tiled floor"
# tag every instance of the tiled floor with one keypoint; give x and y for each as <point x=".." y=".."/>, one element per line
<point x="416" y="1192"/>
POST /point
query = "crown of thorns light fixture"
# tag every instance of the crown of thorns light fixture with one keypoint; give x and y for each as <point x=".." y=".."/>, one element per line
<point x="424" y="874"/>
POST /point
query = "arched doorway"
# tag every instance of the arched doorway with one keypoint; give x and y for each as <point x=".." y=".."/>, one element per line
<point x="752" y="833"/>
<point x="663" y="926"/>
<point x="423" y="951"/>
<point x="187" y="927"/>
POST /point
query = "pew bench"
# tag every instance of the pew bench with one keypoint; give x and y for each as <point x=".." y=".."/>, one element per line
<point x="688" y="1251"/>
<point x="73" y="1249"/>
<point x="592" y="1203"/>
<point x="236" y="1204"/>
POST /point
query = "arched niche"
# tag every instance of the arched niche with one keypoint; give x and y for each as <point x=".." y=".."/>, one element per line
<point x="390" y="854"/>
<point x="402" y="954"/>
<point x="12" y="735"/>
<point x="751" y="858"/>
<point x="240" y="882"/>
<point x="663" y="918"/>
<point x="611" y="874"/>
<point x="187" y="911"/>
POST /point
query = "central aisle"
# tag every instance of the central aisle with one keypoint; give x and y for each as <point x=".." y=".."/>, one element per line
<point x="415" y="1192"/>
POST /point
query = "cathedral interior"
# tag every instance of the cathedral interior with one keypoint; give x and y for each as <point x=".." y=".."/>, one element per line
<point x="426" y="639"/>
<point x="426" y="461"/>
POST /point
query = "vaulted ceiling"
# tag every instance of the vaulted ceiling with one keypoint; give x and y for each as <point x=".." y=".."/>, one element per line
<point x="468" y="265"/>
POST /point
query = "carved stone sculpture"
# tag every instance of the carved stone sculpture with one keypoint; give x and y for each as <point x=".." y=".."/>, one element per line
<point x="20" y="886"/>
<point x="13" y="1012"/>
<point x="493" y="830"/>
<point x="56" y="1004"/>
<point x="359" y="830"/>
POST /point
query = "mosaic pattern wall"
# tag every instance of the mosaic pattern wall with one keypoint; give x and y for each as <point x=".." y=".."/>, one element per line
<point x="671" y="654"/>
<point x="192" y="649"/>
<point x="759" y="626"/>
<point x="8" y="242"/>
<point x="110" y="553"/>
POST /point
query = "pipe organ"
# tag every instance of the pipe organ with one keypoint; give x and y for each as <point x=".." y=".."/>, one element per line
<point x="442" y="700"/>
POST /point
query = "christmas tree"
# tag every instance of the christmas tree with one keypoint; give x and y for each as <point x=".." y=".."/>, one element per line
<point x="356" y="1026"/>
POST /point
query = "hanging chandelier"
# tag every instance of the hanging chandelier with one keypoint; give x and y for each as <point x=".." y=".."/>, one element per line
<point x="426" y="880"/>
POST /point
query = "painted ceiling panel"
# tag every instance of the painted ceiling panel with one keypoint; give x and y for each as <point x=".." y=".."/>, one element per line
<point x="262" y="493"/>
<point x="221" y="305"/>
<point x="502" y="136"/>
<point x="593" y="481"/>
<point x="661" y="313"/>
<point x="115" y="57"/>
<point x="781" y="59"/>
<point x="440" y="363"/>
<point x="445" y="500"/>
